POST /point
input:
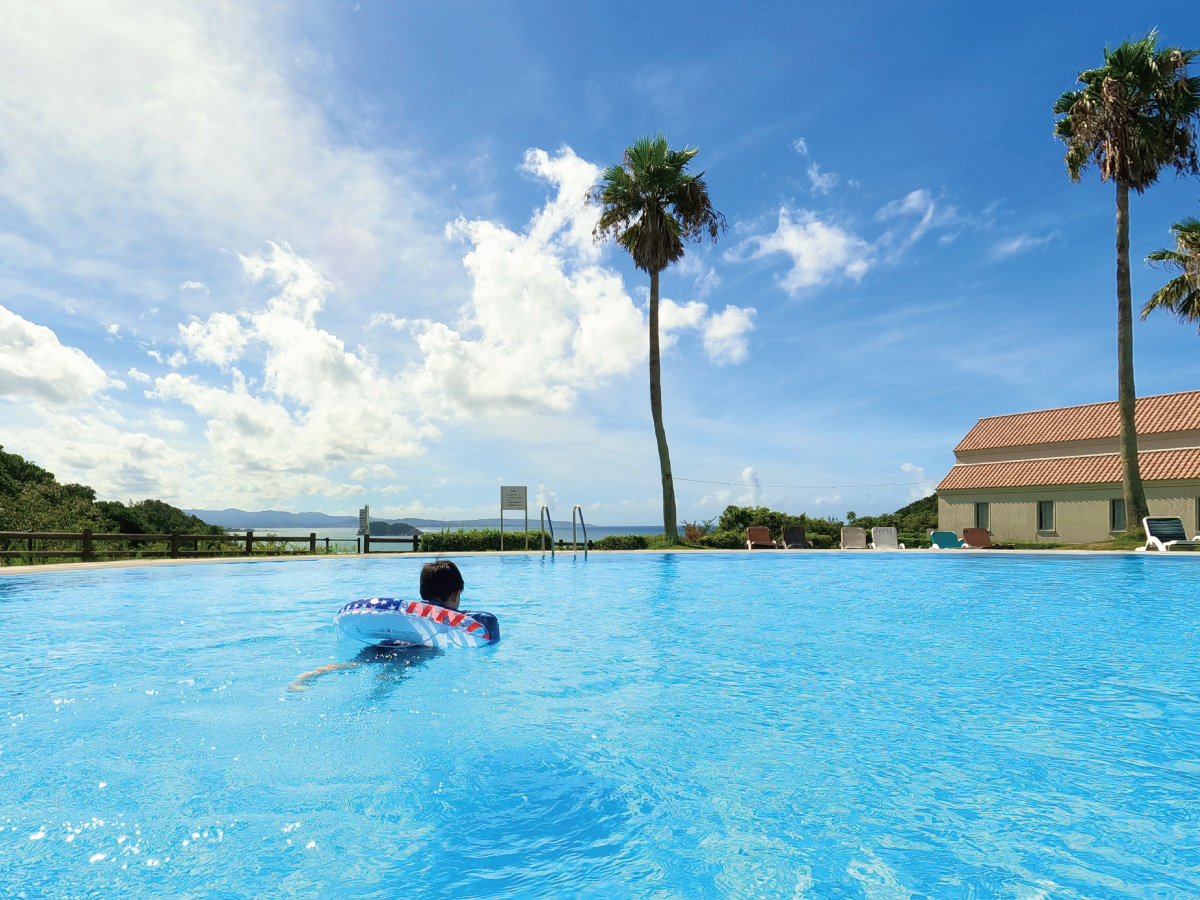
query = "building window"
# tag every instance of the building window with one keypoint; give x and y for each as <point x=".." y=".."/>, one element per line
<point x="981" y="516"/>
<point x="1116" y="515"/>
<point x="1045" y="515"/>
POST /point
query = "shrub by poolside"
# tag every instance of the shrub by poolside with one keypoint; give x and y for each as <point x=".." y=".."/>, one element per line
<point x="477" y="540"/>
<point x="622" y="542"/>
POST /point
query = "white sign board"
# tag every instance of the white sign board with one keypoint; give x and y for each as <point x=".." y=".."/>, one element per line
<point x="514" y="497"/>
<point x="364" y="520"/>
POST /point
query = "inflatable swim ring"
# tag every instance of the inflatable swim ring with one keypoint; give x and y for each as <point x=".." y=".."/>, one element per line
<point x="385" y="622"/>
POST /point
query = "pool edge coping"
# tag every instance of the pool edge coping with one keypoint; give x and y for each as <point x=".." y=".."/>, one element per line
<point x="141" y="563"/>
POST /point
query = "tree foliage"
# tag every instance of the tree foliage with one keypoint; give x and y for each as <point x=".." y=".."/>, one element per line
<point x="33" y="500"/>
<point x="1134" y="116"/>
<point x="1181" y="295"/>
<point x="651" y="205"/>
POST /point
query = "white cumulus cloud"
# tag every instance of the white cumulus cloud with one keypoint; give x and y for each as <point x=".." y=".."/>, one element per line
<point x="316" y="404"/>
<point x="725" y="334"/>
<point x="923" y="486"/>
<point x="544" y="316"/>
<point x="220" y="340"/>
<point x="35" y="365"/>
<point x="819" y="251"/>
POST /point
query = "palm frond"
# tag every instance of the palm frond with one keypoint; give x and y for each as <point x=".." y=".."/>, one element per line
<point x="651" y="204"/>
<point x="1134" y="116"/>
<point x="1181" y="295"/>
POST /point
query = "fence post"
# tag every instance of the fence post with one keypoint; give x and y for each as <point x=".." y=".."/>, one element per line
<point x="174" y="545"/>
<point x="88" y="556"/>
<point x="326" y="545"/>
<point x="250" y="542"/>
<point x="416" y="540"/>
<point x="29" y="550"/>
<point x="312" y="543"/>
<point x="366" y="543"/>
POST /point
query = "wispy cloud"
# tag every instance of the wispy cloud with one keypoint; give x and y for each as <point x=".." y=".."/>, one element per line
<point x="1021" y="243"/>
<point x="822" y="182"/>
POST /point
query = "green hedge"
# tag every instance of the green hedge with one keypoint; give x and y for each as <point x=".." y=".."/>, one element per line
<point x="482" y="539"/>
<point x="723" y="540"/>
<point x="622" y="542"/>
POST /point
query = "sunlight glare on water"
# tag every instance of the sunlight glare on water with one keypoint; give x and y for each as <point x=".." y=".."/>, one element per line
<point x="669" y="726"/>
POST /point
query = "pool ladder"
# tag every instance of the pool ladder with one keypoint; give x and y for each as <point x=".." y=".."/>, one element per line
<point x="544" y="520"/>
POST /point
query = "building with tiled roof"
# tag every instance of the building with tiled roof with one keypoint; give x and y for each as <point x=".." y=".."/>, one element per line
<point x="1055" y="475"/>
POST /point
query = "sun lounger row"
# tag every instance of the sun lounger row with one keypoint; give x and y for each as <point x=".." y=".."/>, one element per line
<point x="758" y="537"/>
<point x="972" y="539"/>
<point x="1162" y="533"/>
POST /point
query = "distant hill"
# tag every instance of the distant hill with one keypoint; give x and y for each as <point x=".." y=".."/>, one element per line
<point x="271" y="518"/>
<point x="239" y="519"/>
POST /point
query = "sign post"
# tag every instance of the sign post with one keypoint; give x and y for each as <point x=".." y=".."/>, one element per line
<point x="514" y="497"/>
<point x="364" y="520"/>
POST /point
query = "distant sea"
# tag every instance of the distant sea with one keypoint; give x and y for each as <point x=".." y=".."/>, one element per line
<point x="562" y="531"/>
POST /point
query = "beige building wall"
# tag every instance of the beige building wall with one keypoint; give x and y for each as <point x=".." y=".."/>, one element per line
<point x="1081" y="514"/>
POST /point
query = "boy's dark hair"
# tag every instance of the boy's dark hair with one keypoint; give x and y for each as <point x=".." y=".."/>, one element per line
<point x="440" y="581"/>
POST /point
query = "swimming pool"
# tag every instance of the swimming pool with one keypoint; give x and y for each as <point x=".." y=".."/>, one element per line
<point x="667" y="726"/>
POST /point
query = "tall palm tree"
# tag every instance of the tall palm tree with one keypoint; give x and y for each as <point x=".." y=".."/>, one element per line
<point x="651" y="205"/>
<point x="1134" y="116"/>
<point x="1180" y="295"/>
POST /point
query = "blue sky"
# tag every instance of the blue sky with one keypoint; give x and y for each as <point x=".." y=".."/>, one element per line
<point x="310" y="256"/>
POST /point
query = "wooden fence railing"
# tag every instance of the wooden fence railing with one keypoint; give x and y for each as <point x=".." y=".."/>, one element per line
<point x="407" y="539"/>
<point x="177" y="544"/>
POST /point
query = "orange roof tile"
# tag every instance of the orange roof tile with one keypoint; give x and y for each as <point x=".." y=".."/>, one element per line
<point x="1156" y="465"/>
<point x="1165" y="412"/>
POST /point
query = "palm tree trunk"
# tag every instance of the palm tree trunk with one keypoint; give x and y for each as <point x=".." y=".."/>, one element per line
<point x="670" y="520"/>
<point x="1131" y="476"/>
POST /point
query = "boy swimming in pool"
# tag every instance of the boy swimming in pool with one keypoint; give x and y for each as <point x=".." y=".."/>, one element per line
<point x="441" y="585"/>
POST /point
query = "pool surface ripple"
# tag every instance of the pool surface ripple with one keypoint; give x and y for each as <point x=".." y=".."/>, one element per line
<point x="906" y="725"/>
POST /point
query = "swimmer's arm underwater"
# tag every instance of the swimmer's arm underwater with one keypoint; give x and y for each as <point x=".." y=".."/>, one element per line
<point x="301" y="683"/>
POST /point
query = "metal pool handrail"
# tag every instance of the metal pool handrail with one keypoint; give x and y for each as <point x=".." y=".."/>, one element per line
<point x="574" y="543"/>
<point x="543" y="518"/>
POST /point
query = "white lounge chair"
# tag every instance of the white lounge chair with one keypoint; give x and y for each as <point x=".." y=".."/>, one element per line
<point x="885" y="539"/>
<point x="1166" y="533"/>
<point x="854" y="538"/>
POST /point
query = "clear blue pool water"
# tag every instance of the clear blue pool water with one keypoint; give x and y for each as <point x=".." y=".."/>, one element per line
<point x="666" y="726"/>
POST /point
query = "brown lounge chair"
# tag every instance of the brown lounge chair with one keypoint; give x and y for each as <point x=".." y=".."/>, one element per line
<point x="794" y="538"/>
<point x="854" y="538"/>
<point x="758" y="537"/>
<point x="979" y="539"/>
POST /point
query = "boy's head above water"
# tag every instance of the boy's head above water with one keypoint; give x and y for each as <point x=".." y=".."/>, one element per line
<point x="441" y="583"/>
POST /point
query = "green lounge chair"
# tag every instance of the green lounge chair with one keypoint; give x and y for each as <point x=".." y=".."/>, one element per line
<point x="1166" y="533"/>
<point x="945" y="540"/>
